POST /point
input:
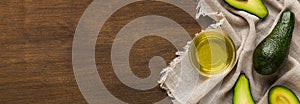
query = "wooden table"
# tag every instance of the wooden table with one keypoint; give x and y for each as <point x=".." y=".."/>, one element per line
<point x="36" y="52"/>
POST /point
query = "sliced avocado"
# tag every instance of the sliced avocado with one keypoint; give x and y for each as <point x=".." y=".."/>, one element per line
<point x="255" y="7"/>
<point x="282" y="95"/>
<point x="242" y="92"/>
<point x="269" y="55"/>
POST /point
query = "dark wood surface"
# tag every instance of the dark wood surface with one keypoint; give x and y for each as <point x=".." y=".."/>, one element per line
<point x="36" y="53"/>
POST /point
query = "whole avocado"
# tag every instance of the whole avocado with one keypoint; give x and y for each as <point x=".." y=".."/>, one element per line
<point x="272" y="51"/>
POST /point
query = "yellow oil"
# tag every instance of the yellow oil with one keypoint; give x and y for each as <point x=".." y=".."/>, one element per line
<point x="212" y="52"/>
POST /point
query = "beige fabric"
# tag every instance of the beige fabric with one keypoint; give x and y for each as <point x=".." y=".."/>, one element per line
<point x="185" y="85"/>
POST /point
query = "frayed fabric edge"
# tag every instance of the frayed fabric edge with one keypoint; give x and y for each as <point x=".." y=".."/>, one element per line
<point x="165" y="72"/>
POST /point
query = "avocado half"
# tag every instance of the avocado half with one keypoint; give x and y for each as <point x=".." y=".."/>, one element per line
<point x="282" y="95"/>
<point x="255" y="7"/>
<point x="242" y="92"/>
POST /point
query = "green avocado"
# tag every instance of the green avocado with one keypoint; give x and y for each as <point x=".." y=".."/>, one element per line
<point x="242" y="92"/>
<point x="269" y="55"/>
<point x="282" y="95"/>
<point x="255" y="7"/>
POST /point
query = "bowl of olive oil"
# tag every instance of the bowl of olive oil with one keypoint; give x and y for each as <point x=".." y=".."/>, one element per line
<point x="212" y="52"/>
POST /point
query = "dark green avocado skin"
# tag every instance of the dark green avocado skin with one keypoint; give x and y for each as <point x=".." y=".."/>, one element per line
<point x="272" y="51"/>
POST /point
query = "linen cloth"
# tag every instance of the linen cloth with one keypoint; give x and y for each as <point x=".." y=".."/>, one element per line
<point x="185" y="86"/>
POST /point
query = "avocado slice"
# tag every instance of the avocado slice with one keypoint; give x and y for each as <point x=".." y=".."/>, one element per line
<point x="242" y="92"/>
<point x="255" y="7"/>
<point x="282" y="95"/>
<point x="269" y="55"/>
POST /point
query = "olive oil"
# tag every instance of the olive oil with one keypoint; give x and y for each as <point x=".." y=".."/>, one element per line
<point x="212" y="52"/>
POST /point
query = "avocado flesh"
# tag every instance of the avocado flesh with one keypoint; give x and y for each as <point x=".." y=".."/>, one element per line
<point x="282" y="95"/>
<point x="242" y="93"/>
<point x="255" y="7"/>
<point x="269" y="55"/>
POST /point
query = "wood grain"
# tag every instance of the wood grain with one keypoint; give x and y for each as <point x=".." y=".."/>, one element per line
<point x="36" y="53"/>
<point x="36" y="44"/>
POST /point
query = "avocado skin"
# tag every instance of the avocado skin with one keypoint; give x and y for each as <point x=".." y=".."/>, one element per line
<point x="241" y="90"/>
<point x="272" y="51"/>
<point x="291" y="95"/>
